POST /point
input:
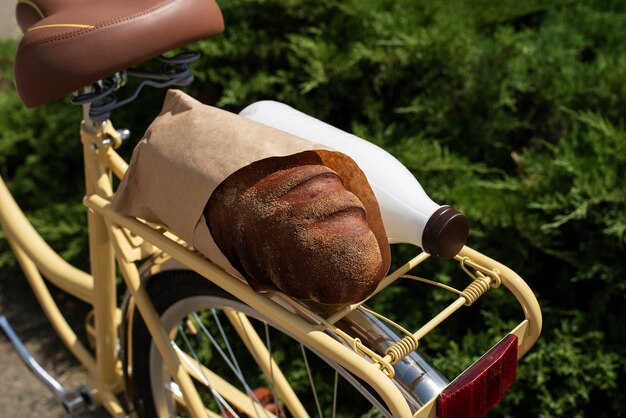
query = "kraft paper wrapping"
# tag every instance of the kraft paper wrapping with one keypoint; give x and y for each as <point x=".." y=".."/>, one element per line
<point x="190" y="148"/>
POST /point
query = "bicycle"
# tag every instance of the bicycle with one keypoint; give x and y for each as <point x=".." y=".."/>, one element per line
<point x="177" y="297"/>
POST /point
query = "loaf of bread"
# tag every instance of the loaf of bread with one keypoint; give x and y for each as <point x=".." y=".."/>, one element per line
<point x="265" y="206"/>
<point x="292" y="225"/>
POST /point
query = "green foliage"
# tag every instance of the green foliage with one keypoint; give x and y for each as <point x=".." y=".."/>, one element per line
<point x="41" y="161"/>
<point x="512" y="111"/>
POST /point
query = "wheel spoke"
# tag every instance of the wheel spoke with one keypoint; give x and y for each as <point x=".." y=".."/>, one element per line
<point x="221" y="402"/>
<point x="308" y="370"/>
<point x="232" y="361"/>
<point x="214" y="343"/>
<point x="231" y="393"/>
<point x="268" y="345"/>
<point x="241" y="372"/>
<point x="252" y="341"/>
<point x="335" y="393"/>
<point x="236" y="369"/>
<point x="227" y="343"/>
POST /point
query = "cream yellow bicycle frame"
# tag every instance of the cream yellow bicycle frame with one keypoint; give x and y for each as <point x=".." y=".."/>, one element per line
<point x="115" y="238"/>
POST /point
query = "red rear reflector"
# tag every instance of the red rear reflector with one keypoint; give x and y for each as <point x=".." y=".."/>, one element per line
<point x="482" y="386"/>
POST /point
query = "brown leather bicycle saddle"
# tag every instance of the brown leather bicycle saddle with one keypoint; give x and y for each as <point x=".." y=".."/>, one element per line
<point x="68" y="45"/>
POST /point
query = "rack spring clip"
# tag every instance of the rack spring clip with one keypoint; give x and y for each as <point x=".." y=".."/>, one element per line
<point x="363" y="351"/>
<point x="383" y="364"/>
<point x="494" y="278"/>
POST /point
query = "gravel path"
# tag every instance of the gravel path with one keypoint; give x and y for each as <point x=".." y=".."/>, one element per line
<point x="8" y="26"/>
<point x="21" y="394"/>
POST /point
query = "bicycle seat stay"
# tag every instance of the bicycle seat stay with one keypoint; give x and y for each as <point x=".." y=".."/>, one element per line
<point x="74" y="44"/>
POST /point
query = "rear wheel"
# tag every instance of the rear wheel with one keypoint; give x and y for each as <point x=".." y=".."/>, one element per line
<point x="213" y="332"/>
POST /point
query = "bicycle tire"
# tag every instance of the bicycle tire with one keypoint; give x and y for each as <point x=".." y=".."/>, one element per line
<point x="173" y="294"/>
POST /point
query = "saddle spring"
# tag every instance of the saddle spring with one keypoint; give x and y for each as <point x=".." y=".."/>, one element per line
<point x="174" y="71"/>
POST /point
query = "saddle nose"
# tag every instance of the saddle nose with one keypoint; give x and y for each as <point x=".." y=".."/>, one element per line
<point x="29" y="12"/>
<point x="69" y="45"/>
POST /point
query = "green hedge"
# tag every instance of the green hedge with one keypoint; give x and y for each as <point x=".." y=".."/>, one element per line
<point x="511" y="111"/>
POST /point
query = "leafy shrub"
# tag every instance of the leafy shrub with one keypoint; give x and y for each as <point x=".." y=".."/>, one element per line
<point x="511" y="111"/>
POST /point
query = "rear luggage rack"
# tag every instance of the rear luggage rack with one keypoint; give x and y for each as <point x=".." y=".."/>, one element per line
<point x="484" y="273"/>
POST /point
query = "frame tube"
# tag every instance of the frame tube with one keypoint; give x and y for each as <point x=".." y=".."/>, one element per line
<point x="102" y="260"/>
<point x="20" y="232"/>
<point x="52" y="311"/>
<point x="161" y="339"/>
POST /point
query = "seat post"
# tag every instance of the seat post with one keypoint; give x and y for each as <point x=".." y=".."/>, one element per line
<point x="88" y="123"/>
<point x="101" y="254"/>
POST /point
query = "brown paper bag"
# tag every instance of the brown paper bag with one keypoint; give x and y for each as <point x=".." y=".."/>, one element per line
<point x="190" y="148"/>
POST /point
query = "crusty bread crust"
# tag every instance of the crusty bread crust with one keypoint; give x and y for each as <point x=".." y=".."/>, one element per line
<point x="290" y="224"/>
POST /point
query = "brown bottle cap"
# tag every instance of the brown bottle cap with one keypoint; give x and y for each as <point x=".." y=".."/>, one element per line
<point x="445" y="233"/>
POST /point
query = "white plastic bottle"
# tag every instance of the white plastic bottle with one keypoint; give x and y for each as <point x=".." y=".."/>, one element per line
<point x="409" y="215"/>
